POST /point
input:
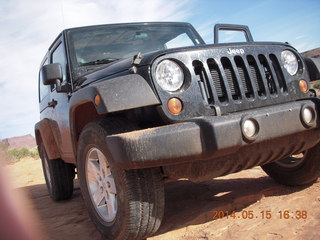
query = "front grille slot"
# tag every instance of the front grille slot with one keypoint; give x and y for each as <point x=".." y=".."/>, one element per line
<point x="244" y="76"/>
<point x="268" y="74"/>
<point x="217" y="80"/>
<point x="203" y="82"/>
<point x="257" y="78"/>
<point x="231" y="79"/>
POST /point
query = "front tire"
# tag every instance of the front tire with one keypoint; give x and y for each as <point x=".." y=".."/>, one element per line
<point x="58" y="175"/>
<point x="122" y="204"/>
<point x="295" y="170"/>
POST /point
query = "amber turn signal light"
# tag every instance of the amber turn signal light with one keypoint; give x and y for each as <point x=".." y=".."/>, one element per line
<point x="175" y="106"/>
<point x="97" y="100"/>
<point x="303" y="85"/>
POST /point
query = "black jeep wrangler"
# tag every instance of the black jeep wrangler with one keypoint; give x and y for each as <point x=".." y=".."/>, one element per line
<point x="131" y="106"/>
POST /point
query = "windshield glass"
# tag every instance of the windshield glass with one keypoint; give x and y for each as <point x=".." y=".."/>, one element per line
<point x="104" y="44"/>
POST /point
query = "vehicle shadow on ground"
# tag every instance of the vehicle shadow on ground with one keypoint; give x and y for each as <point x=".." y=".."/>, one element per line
<point x="186" y="204"/>
<point x="189" y="203"/>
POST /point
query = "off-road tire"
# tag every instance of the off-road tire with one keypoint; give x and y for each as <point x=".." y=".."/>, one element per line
<point x="139" y="193"/>
<point x="58" y="175"/>
<point x="304" y="173"/>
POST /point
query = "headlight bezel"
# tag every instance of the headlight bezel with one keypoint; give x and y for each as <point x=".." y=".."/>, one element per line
<point x="290" y="62"/>
<point x="177" y="72"/>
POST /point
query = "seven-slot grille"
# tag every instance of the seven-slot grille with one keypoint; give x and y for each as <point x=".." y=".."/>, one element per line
<point x="239" y="79"/>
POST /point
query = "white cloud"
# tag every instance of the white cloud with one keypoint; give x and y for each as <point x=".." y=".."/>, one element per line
<point x="300" y="37"/>
<point x="29" y="27"/>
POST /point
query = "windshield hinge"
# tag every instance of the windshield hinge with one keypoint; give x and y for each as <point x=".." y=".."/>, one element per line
<point x="137" y="59"/>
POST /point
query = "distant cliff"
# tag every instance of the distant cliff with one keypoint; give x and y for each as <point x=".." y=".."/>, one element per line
<point x="312" y="53"/>
<point x="27" y="141"/>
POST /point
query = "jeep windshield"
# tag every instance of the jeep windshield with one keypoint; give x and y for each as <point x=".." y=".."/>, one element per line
<point x="103" y="44"/>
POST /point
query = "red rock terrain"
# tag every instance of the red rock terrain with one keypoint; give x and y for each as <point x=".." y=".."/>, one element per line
<point x="27" y="141"/>
<point x="315" y="53"/>
<point x="190" y="208"/>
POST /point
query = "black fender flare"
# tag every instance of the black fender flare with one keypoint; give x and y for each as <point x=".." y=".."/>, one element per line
<point x="117" y="94"/>
<point x="44" y="135"/>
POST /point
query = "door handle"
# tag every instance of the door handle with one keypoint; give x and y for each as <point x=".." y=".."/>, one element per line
<point x="53" y="103"/>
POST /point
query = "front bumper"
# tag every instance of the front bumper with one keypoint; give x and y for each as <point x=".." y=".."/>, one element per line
<point x="213" y="137"/>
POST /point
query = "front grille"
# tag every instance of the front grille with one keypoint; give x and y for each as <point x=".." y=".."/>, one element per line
<point x="236" y="80"/>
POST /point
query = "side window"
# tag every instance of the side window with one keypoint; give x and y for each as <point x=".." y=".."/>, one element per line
<point x="58" y="56"/>
<point x="43" y="89"/>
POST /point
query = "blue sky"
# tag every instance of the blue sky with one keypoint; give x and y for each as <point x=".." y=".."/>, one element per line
<point x="28" y="28"/>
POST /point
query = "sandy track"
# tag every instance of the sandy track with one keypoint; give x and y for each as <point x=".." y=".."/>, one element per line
<point x="190" y="208"/>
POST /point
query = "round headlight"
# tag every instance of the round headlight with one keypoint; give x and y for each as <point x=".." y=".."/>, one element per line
<point x="290" y="62"/>
<point x="169" y="76"/>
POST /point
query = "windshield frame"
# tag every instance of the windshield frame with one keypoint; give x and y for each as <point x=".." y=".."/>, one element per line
<point x="80" y="69"/>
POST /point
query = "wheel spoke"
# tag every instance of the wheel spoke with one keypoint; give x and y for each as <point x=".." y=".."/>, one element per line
<point x="92" y="177"/>
<point x="98" y="197"/>
<point x="93" y="171"/>
<point x="93" y="187"/>
<point x="102" y="161"/>
<point x="110" y="184"/>
<point x="93" y="166"/>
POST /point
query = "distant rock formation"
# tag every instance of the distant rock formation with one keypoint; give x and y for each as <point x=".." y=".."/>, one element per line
<point x="27" y="141"/>
<point x="312" y="53"/>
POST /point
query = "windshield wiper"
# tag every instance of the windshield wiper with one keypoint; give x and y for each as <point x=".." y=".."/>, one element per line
<point x="99" y="61"/>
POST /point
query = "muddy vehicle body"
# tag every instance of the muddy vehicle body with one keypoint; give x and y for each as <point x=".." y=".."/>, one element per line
<point x="131" y="106"/>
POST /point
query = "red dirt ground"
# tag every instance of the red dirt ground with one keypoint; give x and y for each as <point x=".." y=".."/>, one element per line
<point x="190" y="208"/>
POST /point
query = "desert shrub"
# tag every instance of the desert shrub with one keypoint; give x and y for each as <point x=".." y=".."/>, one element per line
<point x="34" y="153"/>
<point x="4" y="156"/>
<point x="17" y="154"/>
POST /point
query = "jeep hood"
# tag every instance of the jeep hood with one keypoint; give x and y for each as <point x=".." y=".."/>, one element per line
<point x="119" y="67"/>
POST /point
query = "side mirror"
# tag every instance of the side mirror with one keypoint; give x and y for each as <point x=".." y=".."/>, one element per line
<point x="51" y="73"/>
